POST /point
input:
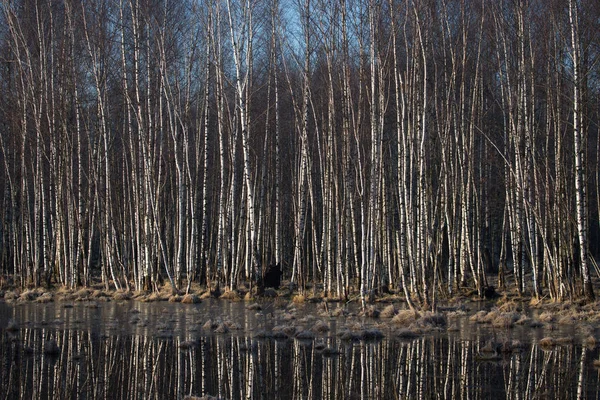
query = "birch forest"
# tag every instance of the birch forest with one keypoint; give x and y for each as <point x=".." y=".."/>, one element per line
<point x="420" y="146"/>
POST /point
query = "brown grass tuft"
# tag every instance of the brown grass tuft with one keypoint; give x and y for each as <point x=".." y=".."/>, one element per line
<point x="11" y="295"/>
<point x="254" y="307"/>
<point x="535" y="302"/>
<point x="371" y="334"/>
<point x="320" y="327"/>
<point x="371" y="312"/>
<point x="230" y="295"/>
<point x="349" y="336"/>
<point x="222" y="328"/>
<point x="210" y="325"/>
<point x="547" y="316"/>
<point x="432" y="320"/>
<point x="388" y="312"/>
<point x="299" y="298"/>
<point x="407" y="333"/>
<point x="82" y="294"/>
<point x="45" y="298"/>
<point x="120" y="295"/>
<point x="175" y="299"/>
<point x="565" y="340"/>
<point x="506" y="320"/>
<point x="154" y="297"/>
<point x="567" y="320"/>
<point x="305" y="335"/>
<point x="490" y="317"/>
<point x="339" y="311"/>
<point x="478" y="317"/>
<point x="547" y="343"/>
<point x="404" y="317"/>
<point x="234" y="326"/>
<point x="509" y="306"/>
<point x="29" y="295"/>
<point x="590" y="342"/>
<point x="190" y="299"/>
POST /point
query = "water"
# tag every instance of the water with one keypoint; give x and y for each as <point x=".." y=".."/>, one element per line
<point x="161" y="351"/>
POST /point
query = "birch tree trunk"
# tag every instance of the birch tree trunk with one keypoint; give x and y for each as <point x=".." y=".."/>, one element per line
<point x="580" y="150"/>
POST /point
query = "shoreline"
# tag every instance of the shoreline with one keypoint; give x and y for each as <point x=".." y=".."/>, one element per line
<point x="197" y="293"/>
<point x="390" y="312"/>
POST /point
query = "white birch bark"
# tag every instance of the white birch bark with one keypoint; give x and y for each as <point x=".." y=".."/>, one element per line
<point x="580" y="153"/>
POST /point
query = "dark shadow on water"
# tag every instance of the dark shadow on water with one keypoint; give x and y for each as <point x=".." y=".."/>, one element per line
<point x="137" y="351"/>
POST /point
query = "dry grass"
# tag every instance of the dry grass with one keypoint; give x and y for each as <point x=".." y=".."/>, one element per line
<point x="511" y="346"/>
<point x="567" y="320"/>
<point x="547" y="343"/>
<point x="432" y="320"/>
<point x="234" y="326"/>
<point x="349" y="336"/>
<point x="188" y="344"/>
<point x="547" y="317"/>
<point x="506" y="320"/>
<point x="478" y="317"/>
<point x="288" y="316"/>
<point x="299" y="298"/>
<point x="151" y="297"/>
<point x="280" y="302"/>
<point x="291" y="330"/>
<point x="388" y="312"/>
<point x="535" y="302"/>
<point x="371" y="312"/>
<point x="45" y="298"/>
<point x="175" y="298"/>
<point x="490" y="347"/>
<point x="11" y="295"/>
<point x="230" y="295"/>
<point x="320" y="327"/>
<point x="305" y="335"/>
<point x="509" y="306"/>
<point x="64" y="290"/>
<point x="222" y="328"/>
<point x="120" y="295"/>
<point x="371" y="334"/>
<point x="29" y="295"/>
<point x="354" y="326"/>
<point x="339" y="311"/>
<point x="404" y="317"/>
<point x="254" y="307"/>
<point x="190" y="299"/>
<point x="524" y="320"/>
<point x="536" y="324"/>
<point x="565" y="340"/>
<point x="408" y="333"/>
<point x="490" y="317"/>
<point x="210" y="325"/>
<point x="167" y="288"/>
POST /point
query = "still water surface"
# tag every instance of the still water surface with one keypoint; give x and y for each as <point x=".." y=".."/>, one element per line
<point x="164" y="351"/>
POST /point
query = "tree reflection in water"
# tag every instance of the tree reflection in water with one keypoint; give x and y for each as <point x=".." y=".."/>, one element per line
<point x="129" y="366"/>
